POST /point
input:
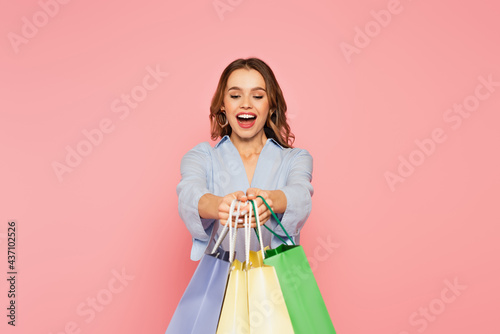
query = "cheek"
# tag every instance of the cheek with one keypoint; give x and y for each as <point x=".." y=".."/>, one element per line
<point x="230" y="103"/>
<point x="265" y="106"/>
<point x="264" y="109"/>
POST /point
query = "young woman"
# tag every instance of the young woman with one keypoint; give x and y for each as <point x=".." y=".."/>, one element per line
<point x="253" y="157"/>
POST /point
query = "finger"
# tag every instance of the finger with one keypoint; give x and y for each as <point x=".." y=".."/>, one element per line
<point x="241" y="223"/>
<point x="256" y="201"/>
<point x="268" y="201"/>
<point x="226" y="222"/>
<point x="259" y="204"/>
<point x="261" y="207"/>
<point x="264" y="207"/>
<point x="234" y="223"/>
<point x="238" y="195"/>
<point x="264" y="216"/>
<point x="263" y="194"/>
<point x="245" y="206"/>
<point x="237" y="220"/>
<point x="252" y="193"/>
<point x="224" y="206"/>
<point x="223" y="216"/>
<point x="263" y="221"/>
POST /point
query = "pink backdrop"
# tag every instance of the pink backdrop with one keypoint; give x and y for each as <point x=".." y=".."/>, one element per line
<point x="398" y="102"/>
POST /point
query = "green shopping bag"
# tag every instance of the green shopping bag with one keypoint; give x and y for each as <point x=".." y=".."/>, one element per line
<point x="303" y="299"/>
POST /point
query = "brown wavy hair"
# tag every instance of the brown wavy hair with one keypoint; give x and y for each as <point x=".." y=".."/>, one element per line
<point x="276" y="126"/>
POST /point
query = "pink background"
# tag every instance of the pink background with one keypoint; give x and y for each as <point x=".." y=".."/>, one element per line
<point x="391" y="250"/>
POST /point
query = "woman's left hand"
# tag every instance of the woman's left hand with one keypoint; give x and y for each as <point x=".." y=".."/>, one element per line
<point x="263" y="211"/>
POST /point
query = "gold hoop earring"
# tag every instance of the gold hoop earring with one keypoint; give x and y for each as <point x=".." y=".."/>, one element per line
<point x="275" y="113"/>
<point x="222" y="115"/>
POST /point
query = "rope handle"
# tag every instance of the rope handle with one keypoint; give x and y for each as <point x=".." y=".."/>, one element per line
<point x="278" y="221"/>
<point x="224" y="231"/>
<point x="228" y="228"/>
<point x="232" y="235"/>
<point x="258" y="230"/>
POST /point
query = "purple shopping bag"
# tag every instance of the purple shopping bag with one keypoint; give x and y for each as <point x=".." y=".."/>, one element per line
<point x="199" y="309"/>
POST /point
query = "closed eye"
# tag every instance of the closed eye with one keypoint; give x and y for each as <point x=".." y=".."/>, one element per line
<point x="237" y="96"/>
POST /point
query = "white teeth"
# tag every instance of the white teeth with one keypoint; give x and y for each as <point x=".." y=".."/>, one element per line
<point x="246" y="116"/>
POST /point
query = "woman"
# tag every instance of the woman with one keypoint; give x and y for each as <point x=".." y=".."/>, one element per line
<point x="253" y="157"/>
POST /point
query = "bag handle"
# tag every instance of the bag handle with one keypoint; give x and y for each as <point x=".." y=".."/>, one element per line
<point x="278" y="221"/>
<point x="257" y="233"/>
<point x="232" y="234"/>
<point x="258" y="230"/>
<point x="248" y="218"/>
<point x="248" y="233"/>
<point x="224" y="232"/>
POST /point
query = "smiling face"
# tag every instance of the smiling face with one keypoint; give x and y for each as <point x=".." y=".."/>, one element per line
<point x="246" y="104"/>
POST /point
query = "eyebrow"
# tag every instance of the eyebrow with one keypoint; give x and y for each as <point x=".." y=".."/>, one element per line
<point x="238" y="88"/>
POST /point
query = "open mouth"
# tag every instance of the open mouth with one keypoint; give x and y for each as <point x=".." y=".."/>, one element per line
<point x="246" y="120"/>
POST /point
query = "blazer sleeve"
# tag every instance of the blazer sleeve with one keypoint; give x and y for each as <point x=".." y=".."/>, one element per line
<point x="195" y="166"/>
<point x="298" y="191"/>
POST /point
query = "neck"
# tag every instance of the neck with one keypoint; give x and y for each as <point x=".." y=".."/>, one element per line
<point x="249" y="146"/>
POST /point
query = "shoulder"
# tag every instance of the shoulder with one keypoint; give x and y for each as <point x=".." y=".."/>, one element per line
<point x="297" y="154"/>
<point x="201" y="148"/>
<point x="203" y="152"/>
<point x="290" y="152"/>
<point x="298" y="160"/>
<point x="199" y="154"/>
<point x="205" y="148"/>
<point x="290" y="155"/>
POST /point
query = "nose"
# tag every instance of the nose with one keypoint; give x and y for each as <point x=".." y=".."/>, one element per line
<point x="245" y="103"/>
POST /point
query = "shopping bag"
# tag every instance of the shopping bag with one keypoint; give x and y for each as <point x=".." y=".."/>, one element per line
<point x="253" y="302"/>
<point x="268" y="313"/>
<point x="303" y="298"/>
<point x="234" y="314"/>
<point x="199" y="309"/>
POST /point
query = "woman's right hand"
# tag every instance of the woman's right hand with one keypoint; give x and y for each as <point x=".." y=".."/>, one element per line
<point x="225" y="205"/>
